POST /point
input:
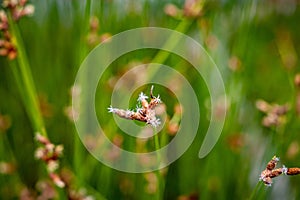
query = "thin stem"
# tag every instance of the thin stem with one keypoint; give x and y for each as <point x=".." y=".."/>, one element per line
<point x="162" y="56"/>
<point x="160" y="181"/>
<point x="78" y="151"/>
<point x="85" y="31"/>
<point x="171" y="42"/>
<point x="256" y="190"/>
<point x="156" y="143"/>
<point x="25" y="81"/>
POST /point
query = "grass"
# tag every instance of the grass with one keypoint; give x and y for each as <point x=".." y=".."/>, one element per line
<point x="256" y="48"/>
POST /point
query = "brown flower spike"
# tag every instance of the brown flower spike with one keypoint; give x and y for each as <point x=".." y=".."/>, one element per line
<point x="18" y="9"/>
<point x="50" y="153"/>
<point x="270" y="171"/>
<point x="145" y="113"/>
<point x="275" y="113"/>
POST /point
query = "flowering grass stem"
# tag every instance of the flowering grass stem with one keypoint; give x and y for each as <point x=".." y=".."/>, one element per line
<point x="23" y="76"/>
<point x="161" y="57"/>
<point x="256" y="190"/>
<point x="160" y="182"/>
<point x="78" y="148"/>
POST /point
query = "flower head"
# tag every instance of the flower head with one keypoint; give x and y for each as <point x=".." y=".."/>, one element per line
<point x="270" y="172"/>
<point x="145" y="113"/>
<point x="275" y="113"/>
<point x="49" y="153"/>
<point x="142" y="97"/>
<point x="18" y="9"/>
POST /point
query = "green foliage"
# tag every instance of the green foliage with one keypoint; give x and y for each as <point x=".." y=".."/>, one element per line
<point x="255" y="45"/>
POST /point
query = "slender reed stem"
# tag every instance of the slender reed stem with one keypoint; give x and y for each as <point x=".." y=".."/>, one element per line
<point x="78" y="151"/>
<point x="162" y="56"/>
<point x="160" y="181"/>
<point x="24" y="80"/>
<point x="256" y="190"/>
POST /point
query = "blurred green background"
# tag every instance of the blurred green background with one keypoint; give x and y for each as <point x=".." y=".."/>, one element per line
<point x="255" y="44"/>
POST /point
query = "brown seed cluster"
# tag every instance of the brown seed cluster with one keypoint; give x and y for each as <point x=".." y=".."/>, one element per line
<point x="270" y="171"/>
<point x="191" y="9"/>
<point x="18" y="9"/>
<point x="6" y="46"/>
<point x="50" y="153"/>
<point x="145" y="113"/>
<point x="152" y="183"/>
<point x="44" y="189"/>
<point x="172" y="10"/>
<point x="275" y="113"/>
<point x="93" y="37"/>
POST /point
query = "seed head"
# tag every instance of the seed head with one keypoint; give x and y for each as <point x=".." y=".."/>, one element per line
<point x="270" y="171"/>
<point x="145" y="113"/>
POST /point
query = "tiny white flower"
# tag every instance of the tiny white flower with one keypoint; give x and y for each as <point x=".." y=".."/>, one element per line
<point x="142" y="97"/>
<point x="59" y="149"/>
<point x="28" y="10"/>
<point x="157" y="99"/>
<point x="276" y="159"/>
<point x="50" y="147"/>
<point x="139" y="109"/>
<point x="39" y="153"/>
<point x="284" y="169"/>
<point x="111" y="109"/>
<point x="154" y="122"/>
<point x="52" y="165"/>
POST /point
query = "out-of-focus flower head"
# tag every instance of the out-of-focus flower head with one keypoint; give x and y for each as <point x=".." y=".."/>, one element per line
<point x="145" y="113"/>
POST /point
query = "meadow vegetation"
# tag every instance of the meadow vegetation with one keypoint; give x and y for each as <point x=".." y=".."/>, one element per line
<point x="256" y="47"/>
